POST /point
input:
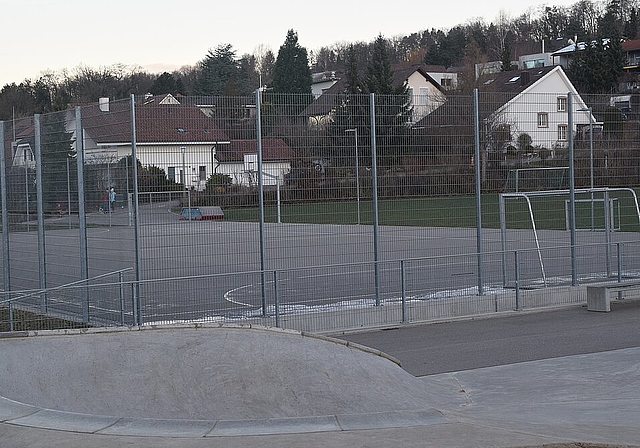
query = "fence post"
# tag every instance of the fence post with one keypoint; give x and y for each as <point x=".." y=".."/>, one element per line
<point x="136" y="227"/>
<point x="517" y="276"/>
<point x="82" y="218"/>
<point x="261" y="199"/>
<point x="403" y="280"/>
<point x="476" y="132"/>
<point x="619" y="254"/>
<point x="6" y="272"/>
<point x="134" y="304"/>
<point x="572" y="191"/>
<point x="42" y="254"/>
<point x="374" y="188"/>
<point x="276" y="298"/>
<point x="121" y="281"/>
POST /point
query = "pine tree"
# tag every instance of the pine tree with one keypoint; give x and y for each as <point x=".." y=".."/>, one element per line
<point x="220" y="74"/>
<point x="291" y="72"/>
<point x="58" y="161"/>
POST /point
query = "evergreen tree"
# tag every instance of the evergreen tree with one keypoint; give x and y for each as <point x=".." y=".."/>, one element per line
<point x="165" y="83"/>
<point x="58" y="161"/>
<point x="220" y="74"/>
<point x="597" y="67"/>
<point x="291" y="72"/>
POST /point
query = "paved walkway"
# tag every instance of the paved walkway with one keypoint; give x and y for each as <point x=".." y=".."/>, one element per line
<point x="231" y="386"/>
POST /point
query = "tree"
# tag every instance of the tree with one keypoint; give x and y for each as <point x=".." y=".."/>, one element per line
<point x="165" y="83"/>
<point x="291" y="72"/>
<point x="58" y="161"/>
<point x="220" y="74"/>
<point x="393" y="102"/>
<point x="597" y="67"/>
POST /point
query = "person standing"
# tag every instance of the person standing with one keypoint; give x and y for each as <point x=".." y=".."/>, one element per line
<point x="104" y="202"/>
<point x="112" y="199"/>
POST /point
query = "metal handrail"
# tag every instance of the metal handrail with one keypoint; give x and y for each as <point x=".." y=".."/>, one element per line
<point x="36" y="292"/>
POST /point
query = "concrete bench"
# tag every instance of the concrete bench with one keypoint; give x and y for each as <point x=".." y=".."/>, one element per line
<point x="599" y="296"/>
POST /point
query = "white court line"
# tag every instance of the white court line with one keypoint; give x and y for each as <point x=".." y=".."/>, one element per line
<point x="228" y="298"/>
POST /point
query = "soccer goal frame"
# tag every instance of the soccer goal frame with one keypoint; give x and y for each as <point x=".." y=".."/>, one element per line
<point x="537" y="179"/>
<point x="605" y="199"/>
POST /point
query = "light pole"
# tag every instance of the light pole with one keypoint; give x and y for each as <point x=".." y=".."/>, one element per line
<point x="355" y="133"/>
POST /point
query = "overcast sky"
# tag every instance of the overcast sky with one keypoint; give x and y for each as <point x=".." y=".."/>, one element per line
<point x="51" y="35"/>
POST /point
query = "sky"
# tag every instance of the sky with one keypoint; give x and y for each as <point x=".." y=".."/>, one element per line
<point x="41" y="36"/>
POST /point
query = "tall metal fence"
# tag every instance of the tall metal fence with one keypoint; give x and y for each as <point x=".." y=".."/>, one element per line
<point x="317" y="214"/>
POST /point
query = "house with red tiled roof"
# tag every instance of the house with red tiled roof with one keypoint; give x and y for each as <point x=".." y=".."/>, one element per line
<point x="239" y="160"/>
<point x="180" y="139"/>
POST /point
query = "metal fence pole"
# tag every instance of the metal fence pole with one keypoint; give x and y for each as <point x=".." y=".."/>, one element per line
<point x="476" y="134"/>
<point x="121" y="282"/>
<point x="572" y="191"/>
<point x="136" y="227"/>
<point x="82" y="218"/>
<point x="619" y="254"/>
<point x="517" y="277"/>
<point x="374" y="188"/>
<point x="607" y="232"/>
<point x="403" y="282"/>
<point x="276" y="300"/>
<point x="261" y="200"/>
<point x="42" y="264"/>
<point x="6" y="271"/>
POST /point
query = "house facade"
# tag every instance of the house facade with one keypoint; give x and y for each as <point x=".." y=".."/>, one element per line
<point x="239" y="161"/>
<point x="426" y="95"/>
<point x="179" y="139"/>
<point x="534" y="103"/>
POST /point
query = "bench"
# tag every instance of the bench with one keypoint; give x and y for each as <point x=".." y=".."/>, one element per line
<point x="201" y="213"/>
<point x="599" y="296"/>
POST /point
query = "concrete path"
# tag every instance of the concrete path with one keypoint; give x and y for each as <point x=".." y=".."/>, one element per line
<point x="203" y="386"/>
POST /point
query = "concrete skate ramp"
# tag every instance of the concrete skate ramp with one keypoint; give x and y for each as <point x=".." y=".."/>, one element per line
<point x="203" y="373"/>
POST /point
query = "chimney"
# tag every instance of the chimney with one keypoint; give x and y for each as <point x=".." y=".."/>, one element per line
<point x="103" y="104"/>
<point x="524" y="78"/>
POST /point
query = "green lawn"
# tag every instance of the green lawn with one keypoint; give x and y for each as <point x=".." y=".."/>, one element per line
<point x="549" y="213"/>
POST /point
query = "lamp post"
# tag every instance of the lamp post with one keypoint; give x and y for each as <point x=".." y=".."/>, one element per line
<point x="355" y="133"/>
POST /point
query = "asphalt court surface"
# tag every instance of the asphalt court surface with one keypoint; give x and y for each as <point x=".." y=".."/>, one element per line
<point x="305" y="256"/>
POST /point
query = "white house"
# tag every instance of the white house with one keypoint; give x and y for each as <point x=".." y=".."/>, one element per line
<point x="321" y="82"/>
<point x="180" y="139"/>
<point x="426" y="94"/>
<point x="239" y="160"/>
<point x="534" y="102"/>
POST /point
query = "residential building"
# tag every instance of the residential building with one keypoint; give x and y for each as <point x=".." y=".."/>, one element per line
<point x="532" y="102"/>
<point x="179" y="139"/>
<point x="426" y="94"/>
<point x="239" y="160"/>
<point x="321" y="82"/>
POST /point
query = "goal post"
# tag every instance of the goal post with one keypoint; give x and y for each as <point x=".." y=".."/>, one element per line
<point x="537" y="179"/>
<point x="598" y="209"/>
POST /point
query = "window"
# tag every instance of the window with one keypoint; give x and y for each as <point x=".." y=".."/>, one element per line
<point x="202" y="172"/>
<point x="562" y="104"/>
<point x="447" y="83"/>
<point x="543" y="120"/>
<point x="171" y="173"/>
<point x="562" y="132"/>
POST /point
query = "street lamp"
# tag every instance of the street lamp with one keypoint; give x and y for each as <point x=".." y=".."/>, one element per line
<point x="355" y="133"/>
